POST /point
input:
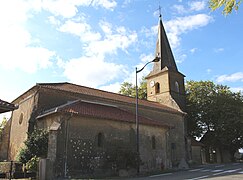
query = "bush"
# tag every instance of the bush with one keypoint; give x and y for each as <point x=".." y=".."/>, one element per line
<point x="35" y="146"/>
<point x="32" y="164"/>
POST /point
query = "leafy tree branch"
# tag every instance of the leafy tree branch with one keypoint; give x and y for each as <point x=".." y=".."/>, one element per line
<point x="228" y="5"/>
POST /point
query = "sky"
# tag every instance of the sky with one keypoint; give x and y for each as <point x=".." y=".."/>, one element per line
<point x="98" y="43"/>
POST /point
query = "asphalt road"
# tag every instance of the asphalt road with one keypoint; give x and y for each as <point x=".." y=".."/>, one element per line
<point x="212" y="172"/>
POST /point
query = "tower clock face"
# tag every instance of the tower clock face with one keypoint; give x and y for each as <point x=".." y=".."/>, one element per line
<point x="152" y="83"/>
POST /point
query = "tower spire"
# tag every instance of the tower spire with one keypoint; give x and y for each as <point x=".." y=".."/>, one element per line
<point x="163" y="50"/>
<point x="166" y="83"/>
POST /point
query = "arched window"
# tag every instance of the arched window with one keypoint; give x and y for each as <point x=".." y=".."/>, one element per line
<point x="21" y="117"/>
<point x="153" y="142"/>
<point x="100" y="140"/>
<point x="157" y="88"/>
<point x="177" y="88"/>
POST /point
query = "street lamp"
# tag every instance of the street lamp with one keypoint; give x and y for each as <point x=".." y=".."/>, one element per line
<point x="156" y="59"/>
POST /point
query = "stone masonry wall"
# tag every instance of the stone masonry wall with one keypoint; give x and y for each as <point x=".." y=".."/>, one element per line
<point x="86" y="156"/>
<point x="20" y="125"/>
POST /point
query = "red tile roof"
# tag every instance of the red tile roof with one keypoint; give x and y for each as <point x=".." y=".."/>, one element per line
<point x="6" y="106"/>
<point x="104" y="111"/>
<point x="73" y="88"/>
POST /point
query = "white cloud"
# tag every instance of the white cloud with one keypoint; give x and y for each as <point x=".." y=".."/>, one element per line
<point x="62" y="8"/>
<point x="97" y="47"/>
<point x="197" y="5"/>
<point x="69" y="9"/>
<point x="54" y="21"/>
<point x="181" y="25"/>
<point x="236" y="89"/>
<point x="209" y="71"/>
<point x="193" y="50"/>
<point x="108" y="4"/>
<point x="27" y="59"/>
<point x="106" y="27"/>
<point x="176" y="27"/>
<point x="13" y="12"/>
<point x="19" y="50"/>
<point x="149" y="32"/>
<point x="112" y="87"/>
<point x="231" y="78"/>
<point x="120" y="39"/>
<point x="143" y="60"/>
<point x="82" y="30"/>
<point x="218" y="50"/>
<point x="92" y="71"/>
<point x="114" y="37"/>
<point x="180" y="58"/>
<point x="126" y="3"/>
<point x="146" y="58"/>
<point x="179" y="9"/>
<point x="193" y="6"/>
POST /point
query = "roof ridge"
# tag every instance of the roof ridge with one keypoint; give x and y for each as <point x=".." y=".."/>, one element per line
<point x="99" y="90"/>
<point x="67" y="108"/>
<point x="55" y="83"/>
<point x="79" y="89"/>
<point x="108" y="92"/>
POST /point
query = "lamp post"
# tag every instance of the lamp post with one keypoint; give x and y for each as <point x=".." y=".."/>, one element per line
<point x="137" y="119"/>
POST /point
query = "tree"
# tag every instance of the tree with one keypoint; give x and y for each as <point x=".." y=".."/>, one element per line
<point x="229" y="5"/>
<point x="36" y="145"/>
<point x="214" y="109"/>
<point x="2" y="125"/>
<point x="129" y="89"/>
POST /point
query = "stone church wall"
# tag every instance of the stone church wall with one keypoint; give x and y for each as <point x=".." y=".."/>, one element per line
<point x="21" y="120"/>
<point x="175" y="135"/>
<point x="88" y="156"/>
<point x="170" y="142"/>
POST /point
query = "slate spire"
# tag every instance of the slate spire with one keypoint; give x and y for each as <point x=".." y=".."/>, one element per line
<point x="165" y="83"/>
<point x="163" y="50"/>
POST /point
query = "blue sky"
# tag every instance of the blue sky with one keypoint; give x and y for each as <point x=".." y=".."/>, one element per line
<point x="98" y="43"/>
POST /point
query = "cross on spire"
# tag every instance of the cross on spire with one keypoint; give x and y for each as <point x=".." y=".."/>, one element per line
<point x="163" y="49"/>
<point x="159" y="9"/>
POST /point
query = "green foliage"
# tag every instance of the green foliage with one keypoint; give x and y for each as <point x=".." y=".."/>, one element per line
<point x="214" y="108"/>
<point x="3" y="124"/>
<point x="32" y="164"/>
<point x="113" y="156"/>
<point x="129" y="89"/>
<point x="229" y="5"/>
<point x="35" y="145"/>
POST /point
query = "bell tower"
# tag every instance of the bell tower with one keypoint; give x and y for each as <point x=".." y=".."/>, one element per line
<point x="165" y="84"/>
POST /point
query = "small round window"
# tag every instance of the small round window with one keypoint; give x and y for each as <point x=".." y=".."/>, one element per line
<point x="21" y="118"/>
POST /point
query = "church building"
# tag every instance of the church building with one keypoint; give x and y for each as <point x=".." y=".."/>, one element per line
<point x="93" y="132"/>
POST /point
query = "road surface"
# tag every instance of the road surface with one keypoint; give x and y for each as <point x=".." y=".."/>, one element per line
<point x="212" y="172"/>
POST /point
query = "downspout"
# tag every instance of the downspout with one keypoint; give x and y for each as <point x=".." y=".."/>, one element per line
<point x="66" y="144"/>
<point x="167" y="134"/>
